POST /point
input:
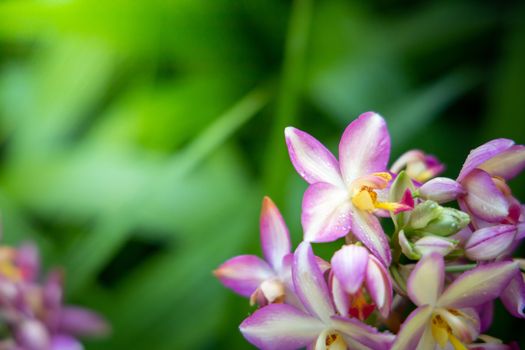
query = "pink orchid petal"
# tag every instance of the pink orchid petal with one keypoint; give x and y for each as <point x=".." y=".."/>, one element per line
<point x="82" y="322"/>
<point x="313" y="161"/>
<point x="483" y="153"/>
<point x="65" y="342"/>
<point x="310" y="284"/>
<point x="513" y="296"/>
<point x="349" y="266"/>
<point x="325" y="213"/>
<point x="364" y="147"/>
<point x="360" y="335"/>
<point x="478" y="286"/>
<point x="486" y="315"/>
<point x="280" y="327"/>
<point x="275" y="239"/>
<point x="379" y="285"/>
<point x="413" y="328"/>
<point x="426" y="281"/>
<point x="367" y="229"/>
<point x="340" y="297"/>
<point x="490" y="242"/>
<point x="441" y="190"/>
<point x="484" y="199"/>
<point x="507" y="164"/>
<point x="243" y="274"/>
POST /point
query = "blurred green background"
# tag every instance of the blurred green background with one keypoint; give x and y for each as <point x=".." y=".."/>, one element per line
<point x="138" y="137"/>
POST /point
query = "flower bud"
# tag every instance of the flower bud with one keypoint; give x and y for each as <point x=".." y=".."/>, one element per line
<point x="449" y="222"/>
<point x="423" y="214"/>
<point x="441" y="190"/>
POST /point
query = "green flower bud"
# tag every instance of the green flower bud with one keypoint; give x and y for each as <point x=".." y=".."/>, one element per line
<point x="423" y="214"/>
<point x="449" y="222"/>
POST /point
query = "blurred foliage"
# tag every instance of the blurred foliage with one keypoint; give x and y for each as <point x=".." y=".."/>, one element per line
<point x="138" y="137"/>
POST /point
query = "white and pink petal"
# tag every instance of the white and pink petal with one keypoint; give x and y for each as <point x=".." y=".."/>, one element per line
<point x="281" y="327"/>
<point x="275" y="238"/>
<point x="426" y="281"/>
<point x="367" y="229"/>
<point x="364" y="147"/>
<point x="483" y="198"/>
<point x="313" y="161"/>
<point x="244" y="273"/>
<point x="478" y="286"/>
<point x="349" y="265"/>
<point x="325" y="213"/>
<point x="310" y="285"/>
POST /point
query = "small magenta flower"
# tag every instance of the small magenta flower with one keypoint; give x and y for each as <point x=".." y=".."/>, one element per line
<point x="283" y="327"/>
<point x="263" y="281"/>
<point x="446" y="317"/>
<point x="344" y="195"/>
<point x="360" y="283"/>
<point x="418" y="165"/>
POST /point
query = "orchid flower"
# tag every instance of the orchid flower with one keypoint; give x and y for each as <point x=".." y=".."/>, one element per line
<point x="344" y="195"/>
<point x="263" y="281"/>
<point x="484" y="175"/>
<point x="360" y="283"/>
<point x="419" y="166"/>
<point x="283" y="327"/>
<point x="34" y="312"/>
<point x="447" y="316"/>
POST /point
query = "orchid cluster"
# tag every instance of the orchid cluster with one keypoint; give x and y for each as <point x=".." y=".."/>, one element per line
<point x="32" y="314"/>
<point x="430" y="284"/>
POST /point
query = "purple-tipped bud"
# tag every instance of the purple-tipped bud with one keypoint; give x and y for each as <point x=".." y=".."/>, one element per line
<point x="441" y="190"/>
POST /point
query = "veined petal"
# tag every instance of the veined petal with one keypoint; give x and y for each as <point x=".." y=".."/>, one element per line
<point x="379" y="285"/>
<point x="349" y="266"/>
<point x="507" y="164"/>
<point x="310" y="284"/>
<point x="325" y="213"/>
<point x="513" y="297"/>
<point x="362" y="334"/>
<point x="275" y="239"/>
<point x="244" y="273"/>
<point x="483" y="153"/>
<point x="441" y="190"/>
<point x="365" y="147"/>
<point x="313" y="161"/>
<point x="483" y="198"/>
<point x="367" y="229"/>
<point x="490" y="242"/>
<point x="413" y="328"/>
<point x="280" y="327"/>
<point x="425" y="283"/>
<point x="478" y="286"/>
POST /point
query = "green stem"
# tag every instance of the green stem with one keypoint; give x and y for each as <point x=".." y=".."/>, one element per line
<point x="219" y="131"/>
<point x="288" y="100"/>
<point x="460" y="268"/>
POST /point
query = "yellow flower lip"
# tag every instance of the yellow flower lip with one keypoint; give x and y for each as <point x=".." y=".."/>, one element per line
<point x="365" y="198"/>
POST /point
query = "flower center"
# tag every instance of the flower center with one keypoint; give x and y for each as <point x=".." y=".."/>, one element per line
<point x="360" y="306"/>
<point x="332" y="341"/>
<point x="442" y="333"/>
<point x="8" y="269"/>
<point x="365" y="197"/>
